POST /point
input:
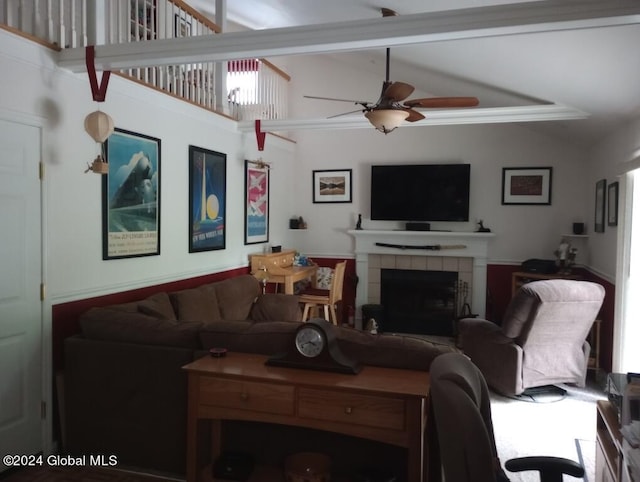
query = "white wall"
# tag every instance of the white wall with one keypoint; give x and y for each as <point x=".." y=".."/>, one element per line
<point x="521" y="231"/>
<point x="609" y="159"/>
<point x="59" y="101"/>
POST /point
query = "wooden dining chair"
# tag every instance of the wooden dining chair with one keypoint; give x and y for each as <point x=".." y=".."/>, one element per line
<point x="314" y="298"/>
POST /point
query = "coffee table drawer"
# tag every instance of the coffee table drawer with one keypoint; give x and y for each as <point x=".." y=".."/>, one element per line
<point x="258" y="397"/>
<point x="352" y="408"/>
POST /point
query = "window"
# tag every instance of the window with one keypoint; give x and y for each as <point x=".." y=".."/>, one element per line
<point x="242" y="81"/>
<point x="627" y="332"/>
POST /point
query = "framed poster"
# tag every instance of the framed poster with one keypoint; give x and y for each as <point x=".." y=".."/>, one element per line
<point x="131" y="196"/>
<point x="332" y="186"/>
<point x="601" y="187"/>
<point x="256" y="202"/>
<point x="612" y="204"/>
<point x="207" y="199"/>
<point x="526" y="185"/>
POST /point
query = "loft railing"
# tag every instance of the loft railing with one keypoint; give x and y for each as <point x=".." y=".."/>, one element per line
<point x="242" y="89"/>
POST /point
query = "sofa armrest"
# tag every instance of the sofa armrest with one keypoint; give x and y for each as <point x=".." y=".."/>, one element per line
<point x="276" y="307"/>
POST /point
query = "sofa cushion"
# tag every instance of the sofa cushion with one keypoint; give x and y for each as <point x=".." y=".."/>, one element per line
<point x="249" y="337"/>
<point x="117" y="325"/>
<point x="159" y="306"/>
<point x="236" y="296"/>
<point x="196" y="304"/>
<point x="276" y="307"/>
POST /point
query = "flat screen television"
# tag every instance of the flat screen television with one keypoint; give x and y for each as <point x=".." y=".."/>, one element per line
<point x="420" y="192"/>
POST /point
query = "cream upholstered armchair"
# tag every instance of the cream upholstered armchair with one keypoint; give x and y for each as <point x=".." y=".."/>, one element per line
<point x="542" y="340"/>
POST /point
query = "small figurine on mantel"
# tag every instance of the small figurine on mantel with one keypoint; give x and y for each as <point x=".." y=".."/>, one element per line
<point x="481" y="228"/>
<point x="359" y="223"/>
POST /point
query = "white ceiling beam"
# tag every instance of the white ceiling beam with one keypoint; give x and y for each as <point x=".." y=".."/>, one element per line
<point x="531" y="17"/>
<point x="530" y="113"/>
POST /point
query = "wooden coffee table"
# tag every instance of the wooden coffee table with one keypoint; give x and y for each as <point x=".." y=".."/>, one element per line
<point x="382" y="404"/>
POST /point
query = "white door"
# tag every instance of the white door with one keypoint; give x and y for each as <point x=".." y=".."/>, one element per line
<point x="20" y="279"/>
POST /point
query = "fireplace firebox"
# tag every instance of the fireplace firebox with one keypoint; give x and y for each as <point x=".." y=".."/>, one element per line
<point x="419" y="301"/>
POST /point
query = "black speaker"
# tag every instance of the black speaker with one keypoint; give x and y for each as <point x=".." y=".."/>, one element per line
<point x="417" y="227"/>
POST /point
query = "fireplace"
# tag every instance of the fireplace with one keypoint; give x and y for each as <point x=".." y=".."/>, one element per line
<point x="462" y="252"/>
<point x="416" y="301"/>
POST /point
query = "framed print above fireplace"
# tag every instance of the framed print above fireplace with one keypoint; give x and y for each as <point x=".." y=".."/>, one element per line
<point x="526" y="185"/>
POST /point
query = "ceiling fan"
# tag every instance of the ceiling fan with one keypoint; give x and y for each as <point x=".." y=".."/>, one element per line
<point x="389" y="112"/>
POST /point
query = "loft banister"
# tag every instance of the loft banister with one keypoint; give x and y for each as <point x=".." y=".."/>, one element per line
<point x="64" y="24"/>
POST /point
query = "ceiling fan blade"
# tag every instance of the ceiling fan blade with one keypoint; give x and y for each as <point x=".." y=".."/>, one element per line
<point x="362" y="102"/>
<point x="398" y="91"/>
<point x="344" y="113"/>
<point x="441" y="102"/>
<point x="414" y="115"/>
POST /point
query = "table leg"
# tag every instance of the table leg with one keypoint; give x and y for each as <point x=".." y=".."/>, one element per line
<point x="192" y="429"/>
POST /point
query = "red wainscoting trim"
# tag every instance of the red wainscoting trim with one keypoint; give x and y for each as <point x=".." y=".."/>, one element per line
<point x="499" y="294"/>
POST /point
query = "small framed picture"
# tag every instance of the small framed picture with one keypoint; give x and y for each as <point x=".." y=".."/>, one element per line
<point x="612" y="204"/>
<point x="256" y="202"/>
<point x="601" y="186"/>
<point x="526" y="185"/>
<point x="332" y="186"/>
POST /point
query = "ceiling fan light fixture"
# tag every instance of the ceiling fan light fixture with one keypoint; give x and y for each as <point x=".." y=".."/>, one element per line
<point x="386" y="120"/>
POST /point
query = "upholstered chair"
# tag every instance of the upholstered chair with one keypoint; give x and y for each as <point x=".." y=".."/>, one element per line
<point x="542" y="340"/>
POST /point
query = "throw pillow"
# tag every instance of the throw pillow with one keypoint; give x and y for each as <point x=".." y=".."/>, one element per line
<point x="196" y="304"/>
<point x="159" y="306"/>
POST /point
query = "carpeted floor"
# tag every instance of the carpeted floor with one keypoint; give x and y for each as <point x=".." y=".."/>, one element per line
<point x="564" y="428"/>
<point x="77" y="474"/>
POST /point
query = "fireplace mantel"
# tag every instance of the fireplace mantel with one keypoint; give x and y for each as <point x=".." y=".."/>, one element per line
<point x="425" y="244"/>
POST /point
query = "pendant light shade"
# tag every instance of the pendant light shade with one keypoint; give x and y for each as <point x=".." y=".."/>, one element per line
<point x="386" y="120"/>
<point x="99" y="126"/>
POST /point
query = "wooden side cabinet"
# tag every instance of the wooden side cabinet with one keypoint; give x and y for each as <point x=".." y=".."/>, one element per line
<point x="608" y="443"/>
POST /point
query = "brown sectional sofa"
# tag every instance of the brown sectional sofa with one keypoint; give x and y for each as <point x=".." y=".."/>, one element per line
<point x="125" y="390"/>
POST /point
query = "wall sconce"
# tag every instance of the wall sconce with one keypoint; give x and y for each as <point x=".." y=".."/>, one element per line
<point x="99" y="126"/>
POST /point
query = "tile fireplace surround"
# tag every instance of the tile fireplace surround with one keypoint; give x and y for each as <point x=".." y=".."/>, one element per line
<point x="418" y="250"/>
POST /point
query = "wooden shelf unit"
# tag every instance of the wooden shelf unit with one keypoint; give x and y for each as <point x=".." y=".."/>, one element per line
<point x="608" y="443"/>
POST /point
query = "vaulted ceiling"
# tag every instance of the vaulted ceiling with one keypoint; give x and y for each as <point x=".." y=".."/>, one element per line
<point x="595" y="70"/>
<point x="581" y="54"/>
